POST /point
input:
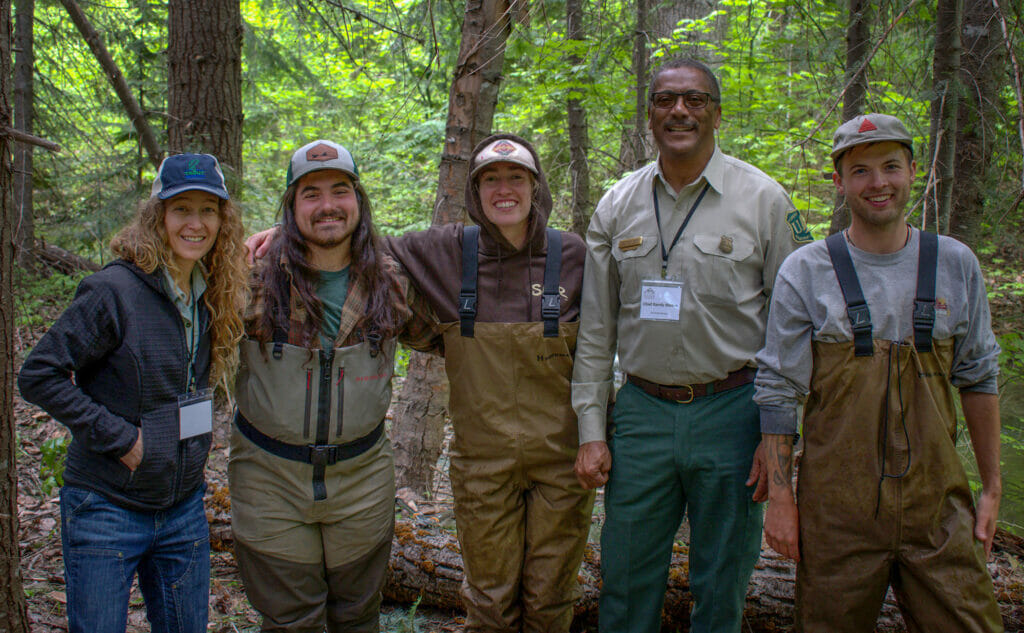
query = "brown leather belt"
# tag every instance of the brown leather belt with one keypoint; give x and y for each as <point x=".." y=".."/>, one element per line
<point x="684" y="394"/>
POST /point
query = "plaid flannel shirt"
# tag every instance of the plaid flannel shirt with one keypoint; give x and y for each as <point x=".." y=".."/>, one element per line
<point x="419" y="329"/>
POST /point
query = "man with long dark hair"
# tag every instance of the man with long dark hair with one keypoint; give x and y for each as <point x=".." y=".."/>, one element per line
<point x="311" y="469"/>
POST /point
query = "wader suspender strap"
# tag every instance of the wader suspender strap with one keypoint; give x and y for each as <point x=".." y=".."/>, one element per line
<point x="280" y="335"/>
<point x="467" y="296"/>
<point x="856" y="307"/>
<point x="550" y="306"/>
<point x="924" y="303"/>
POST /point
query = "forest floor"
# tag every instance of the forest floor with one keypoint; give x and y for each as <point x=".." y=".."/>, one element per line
<point x="230" y="612"/>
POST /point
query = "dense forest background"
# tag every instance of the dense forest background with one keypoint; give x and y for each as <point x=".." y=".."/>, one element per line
<point x="94" y="93"/>
<point x="376" y="77"/>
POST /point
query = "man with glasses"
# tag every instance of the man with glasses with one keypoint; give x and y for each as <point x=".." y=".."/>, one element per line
<point x="681" y="258"/>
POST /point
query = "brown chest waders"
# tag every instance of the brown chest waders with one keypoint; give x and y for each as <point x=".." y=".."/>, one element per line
<point x="522" y="517"/>
<point x="883" y="496"/>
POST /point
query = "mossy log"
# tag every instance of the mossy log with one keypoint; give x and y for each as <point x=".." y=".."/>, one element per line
<point x="426" y="565"/>
<point x="425" y="561"/>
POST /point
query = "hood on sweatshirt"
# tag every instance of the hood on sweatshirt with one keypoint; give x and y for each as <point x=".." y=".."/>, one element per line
<point x="492" y="242"/>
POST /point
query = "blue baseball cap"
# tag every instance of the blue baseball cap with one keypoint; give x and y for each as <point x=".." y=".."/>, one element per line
<point x="188" y="172"/>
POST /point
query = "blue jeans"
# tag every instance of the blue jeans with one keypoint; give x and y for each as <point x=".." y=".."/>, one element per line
<point x="104" y="545"/>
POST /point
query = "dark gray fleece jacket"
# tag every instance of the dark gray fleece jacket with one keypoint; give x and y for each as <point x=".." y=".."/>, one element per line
<point x="116" y="361"/>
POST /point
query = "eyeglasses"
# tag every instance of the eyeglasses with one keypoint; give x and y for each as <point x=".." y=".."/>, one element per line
<point x="692" y="99"/>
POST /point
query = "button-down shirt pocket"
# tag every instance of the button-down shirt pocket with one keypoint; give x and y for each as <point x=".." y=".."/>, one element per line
<point x="720" y="265"/>
<point x="637" y="259"/>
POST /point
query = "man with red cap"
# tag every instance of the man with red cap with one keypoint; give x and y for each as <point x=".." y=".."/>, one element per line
<point x="871" y="329"/>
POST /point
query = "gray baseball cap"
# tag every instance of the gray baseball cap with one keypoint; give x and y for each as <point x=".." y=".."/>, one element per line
<point x="870" y="128"/>
<point x="318" y="155"/>
<point x="503" y="150"/>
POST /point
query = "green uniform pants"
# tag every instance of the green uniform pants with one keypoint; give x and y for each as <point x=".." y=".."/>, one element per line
<point x="669" y="459"/>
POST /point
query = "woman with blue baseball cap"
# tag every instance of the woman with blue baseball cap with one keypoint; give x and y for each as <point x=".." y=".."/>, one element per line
<point x="129" y="368"/>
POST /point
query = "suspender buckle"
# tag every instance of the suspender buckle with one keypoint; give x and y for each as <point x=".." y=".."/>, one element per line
<point x="924" y="321"/>
<point x="550" y="306"/>
<point x="323" y="454"/>
<point x="924" y="314"/>
<point x="467" y="304"/>
<point x="860" y="318"/>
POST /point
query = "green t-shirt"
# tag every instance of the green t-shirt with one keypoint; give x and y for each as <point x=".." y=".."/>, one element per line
<point x="332" y="290"/>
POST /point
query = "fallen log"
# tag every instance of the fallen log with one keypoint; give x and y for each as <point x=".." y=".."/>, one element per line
<point x="61" y="260"/>
<point x="425" y="562"/>
<point x="426" y="565"/>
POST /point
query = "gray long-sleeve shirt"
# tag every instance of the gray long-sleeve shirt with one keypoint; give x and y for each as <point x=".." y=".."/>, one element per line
<point x="807" y="305"/>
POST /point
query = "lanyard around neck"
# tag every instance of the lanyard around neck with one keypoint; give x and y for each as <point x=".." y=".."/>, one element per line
<point x="192" y="339"/>
<point x="679" y="233"/>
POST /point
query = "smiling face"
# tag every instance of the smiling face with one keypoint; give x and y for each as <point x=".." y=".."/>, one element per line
<point x="876" y="181"/>
<point x="684" y="136"/>
<point x="506" y="195"/>
<point x="192" y="220"/>
<point x="326" y="209"/>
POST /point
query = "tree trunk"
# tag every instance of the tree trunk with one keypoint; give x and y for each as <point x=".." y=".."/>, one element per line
<point x="204" y="81"/>
<point x="13" y="607"/>
<point x="858" y="40"/>
<point x="945" y="101"/>
<point x="472" y="100"/>
<point x="634" y="149"/>
<point x="983" y="66"/>
<point x="474" y="95"/>
<point x="117" y="81"/>
<point x="656" y="21"/>
<point x="417" y="427"/>
<point x="579" y="143"/>
<point x="24" y="97"/>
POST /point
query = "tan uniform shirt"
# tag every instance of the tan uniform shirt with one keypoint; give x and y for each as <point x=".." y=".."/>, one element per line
<point x="726" y="260"/>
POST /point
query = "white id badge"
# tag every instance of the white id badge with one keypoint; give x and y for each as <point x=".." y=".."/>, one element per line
<point x="195" y="413"/>
<point x="660" y="300"/>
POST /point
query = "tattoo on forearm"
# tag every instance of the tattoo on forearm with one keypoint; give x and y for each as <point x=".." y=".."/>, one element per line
<point x="781" y="467"/>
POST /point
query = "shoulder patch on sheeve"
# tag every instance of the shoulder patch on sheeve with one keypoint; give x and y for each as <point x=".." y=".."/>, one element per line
<point x="798" y="228"/>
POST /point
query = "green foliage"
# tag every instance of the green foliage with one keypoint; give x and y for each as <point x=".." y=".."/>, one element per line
<point x="402" y="360"/>
<point x="40" y="299"/>
<point x="399" y="622"/>
<point x="1011" y="360"/>
<point x="51" y="467"/>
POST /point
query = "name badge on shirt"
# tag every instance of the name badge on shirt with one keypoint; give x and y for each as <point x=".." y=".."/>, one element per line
<point x="660" y="300"/>
<point x="195" y="413"/>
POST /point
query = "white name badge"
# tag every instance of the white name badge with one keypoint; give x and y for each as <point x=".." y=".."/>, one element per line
<point x="195" y="413"/>
<point x="660" y="300"/>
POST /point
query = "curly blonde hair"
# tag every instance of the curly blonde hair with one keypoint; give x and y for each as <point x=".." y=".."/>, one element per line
<point x="144" y="243"/>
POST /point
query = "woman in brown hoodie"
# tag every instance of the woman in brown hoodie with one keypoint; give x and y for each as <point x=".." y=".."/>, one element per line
<point x="522" y="517"/>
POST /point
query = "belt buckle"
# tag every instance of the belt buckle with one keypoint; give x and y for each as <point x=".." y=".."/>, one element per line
<point x="323" y="454"/>
<point x="690" y="399"/>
